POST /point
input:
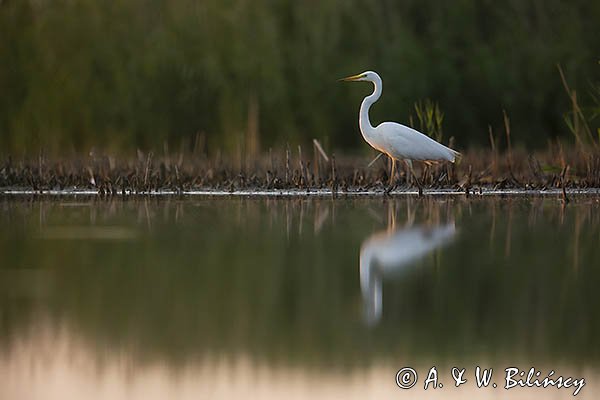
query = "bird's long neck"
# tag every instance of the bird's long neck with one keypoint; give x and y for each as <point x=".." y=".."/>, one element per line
<point x="363" y="121"/>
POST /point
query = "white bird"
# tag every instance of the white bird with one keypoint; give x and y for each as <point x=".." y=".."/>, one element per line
<point x="397" y="141"/>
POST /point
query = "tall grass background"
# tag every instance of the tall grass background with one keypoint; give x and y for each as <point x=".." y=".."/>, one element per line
<point x="118" y="75"/>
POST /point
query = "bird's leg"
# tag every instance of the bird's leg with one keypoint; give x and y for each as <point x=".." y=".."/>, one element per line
<point x="412" y="171"/>
<point x="409" y="177"/>
<point x="391" y="181"/>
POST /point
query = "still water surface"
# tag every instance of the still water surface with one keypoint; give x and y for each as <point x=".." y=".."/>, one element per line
<point x="268" y="298"/>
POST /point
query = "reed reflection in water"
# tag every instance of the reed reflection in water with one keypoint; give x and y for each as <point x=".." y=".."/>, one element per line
<point x="247" y="297"/>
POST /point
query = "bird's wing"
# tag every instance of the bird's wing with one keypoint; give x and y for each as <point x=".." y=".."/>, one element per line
<point x="403" y="142"/>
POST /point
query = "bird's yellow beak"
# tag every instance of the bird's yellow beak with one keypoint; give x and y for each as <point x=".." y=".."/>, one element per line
<point x="352" y="78"/>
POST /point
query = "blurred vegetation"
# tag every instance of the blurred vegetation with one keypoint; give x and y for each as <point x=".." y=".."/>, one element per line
<point x="430" y="119"/>
<point x="579" y="118"/>
<point x="139" y="73"/>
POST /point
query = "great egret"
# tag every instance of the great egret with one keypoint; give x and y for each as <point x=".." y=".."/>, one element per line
<point x="397" y="141"/>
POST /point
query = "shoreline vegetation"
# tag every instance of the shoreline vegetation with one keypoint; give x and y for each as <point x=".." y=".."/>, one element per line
<point x="299" y="168"/>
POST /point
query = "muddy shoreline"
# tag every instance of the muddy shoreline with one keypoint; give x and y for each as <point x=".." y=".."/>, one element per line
<point x="298" y="173"/>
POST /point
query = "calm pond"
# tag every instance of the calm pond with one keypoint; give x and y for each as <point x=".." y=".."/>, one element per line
<point x="200" y="297"/>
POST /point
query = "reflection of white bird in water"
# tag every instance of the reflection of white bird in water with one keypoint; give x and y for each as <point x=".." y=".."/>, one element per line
<point x="383" y="255"/>
<point x="399" y="142"/>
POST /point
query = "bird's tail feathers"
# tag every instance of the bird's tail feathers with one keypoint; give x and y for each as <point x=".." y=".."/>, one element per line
<point x="457" y="156"/>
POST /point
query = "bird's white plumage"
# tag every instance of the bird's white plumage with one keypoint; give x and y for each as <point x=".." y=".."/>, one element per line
<point x="397" y="141"/>
<point x="404" y="143"/>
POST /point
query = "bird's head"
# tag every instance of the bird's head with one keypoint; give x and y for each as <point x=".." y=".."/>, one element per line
<point x="368" y="76"/>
